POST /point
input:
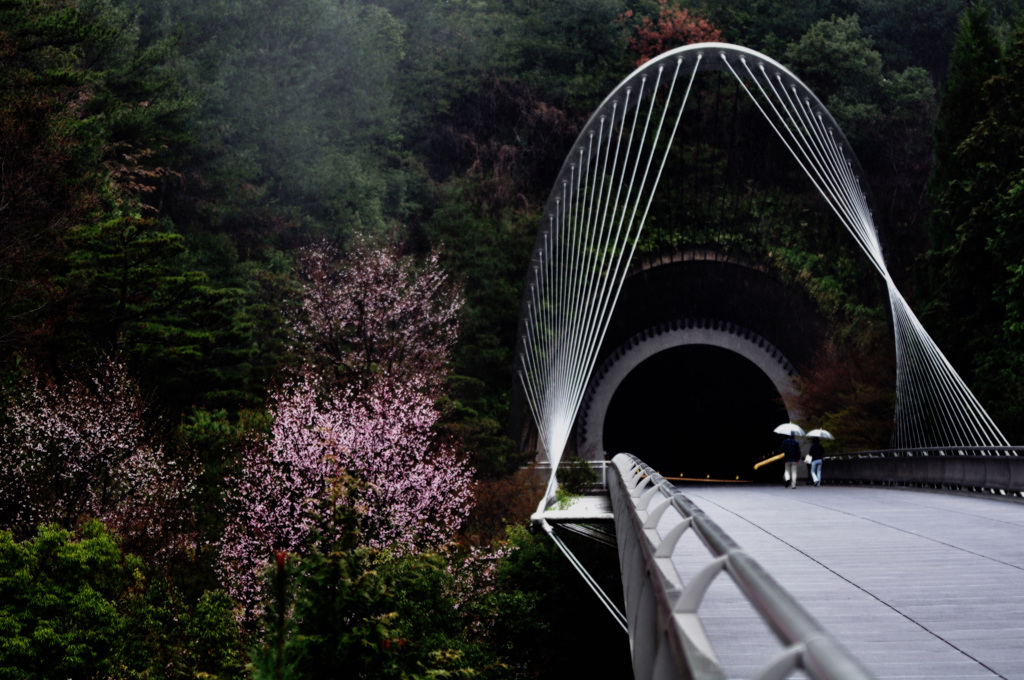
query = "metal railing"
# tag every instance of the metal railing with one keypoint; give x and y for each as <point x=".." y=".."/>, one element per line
<point x="988" y="469"/>
<point x="667" y="637"/>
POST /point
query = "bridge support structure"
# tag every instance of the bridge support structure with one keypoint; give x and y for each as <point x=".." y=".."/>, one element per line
<point x="667" y="637"/>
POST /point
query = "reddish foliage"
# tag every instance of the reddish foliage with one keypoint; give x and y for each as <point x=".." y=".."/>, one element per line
<point x="499" y="503"/>
<point x="850" y="391"/>
<point x="502" y="134"/>
<point x="673" y="27"/>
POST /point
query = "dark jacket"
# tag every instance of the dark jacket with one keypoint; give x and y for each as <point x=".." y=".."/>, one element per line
<point x="791" y="450"/>
<point x="817" y="451"/>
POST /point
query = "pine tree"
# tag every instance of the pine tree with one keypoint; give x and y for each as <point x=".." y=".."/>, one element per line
<point x="90" y="124"/>
<point x="976" y="58"/>
<point x="972" y="286"/>
<point x="130" y="291"/>
<point x="50" y="176"/>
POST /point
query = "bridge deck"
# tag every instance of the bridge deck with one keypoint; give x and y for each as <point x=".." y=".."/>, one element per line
<point x="917" y="585"/>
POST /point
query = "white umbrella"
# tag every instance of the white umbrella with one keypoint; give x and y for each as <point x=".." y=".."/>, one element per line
<point x="791" y="429"/>
<point x="820" y="434"/>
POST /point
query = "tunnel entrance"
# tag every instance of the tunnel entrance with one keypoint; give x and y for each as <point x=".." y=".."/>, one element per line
<point x="697" y="411"/>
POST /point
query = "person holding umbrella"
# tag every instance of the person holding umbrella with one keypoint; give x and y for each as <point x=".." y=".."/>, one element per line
<point x="791" y="453"/>
<point x="817" y="452"/>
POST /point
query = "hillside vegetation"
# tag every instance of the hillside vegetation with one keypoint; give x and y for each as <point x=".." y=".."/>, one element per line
<point x="260" y="272"/>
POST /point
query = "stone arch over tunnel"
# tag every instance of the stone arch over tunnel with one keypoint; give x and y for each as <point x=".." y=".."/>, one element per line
<point x="695" y="397"/>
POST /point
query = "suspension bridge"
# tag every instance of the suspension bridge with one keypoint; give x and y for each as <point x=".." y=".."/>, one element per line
<point x="699" y="167"/>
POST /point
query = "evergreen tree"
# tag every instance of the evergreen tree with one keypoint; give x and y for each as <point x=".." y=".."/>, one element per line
<point x="298" y="124"/>
<point x="571" y="51"/>
<point x="840" y="65"/>
<point x="130" y="291"/>
<point x="490" y="250"/>
<point x="89" y="119"/>
<point x="374" y="614"/>
<point x="50" y="177"/>
<point x="886" y="117"/>
<point x="975" y="59"/>
<point x="911" y="32"/>
<point x="972" y="286"/>
<point x="767" y="25"/>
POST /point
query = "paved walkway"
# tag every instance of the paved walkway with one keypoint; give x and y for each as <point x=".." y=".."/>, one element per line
<point x="915" y="584"/>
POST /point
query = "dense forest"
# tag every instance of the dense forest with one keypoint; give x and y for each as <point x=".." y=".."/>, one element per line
<point x="260" y="271"/>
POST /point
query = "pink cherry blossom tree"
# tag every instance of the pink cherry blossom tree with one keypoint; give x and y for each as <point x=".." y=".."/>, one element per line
<point x="83" y="449"/>
<point x="371" y="311"/>
<point x="379" y="334"/>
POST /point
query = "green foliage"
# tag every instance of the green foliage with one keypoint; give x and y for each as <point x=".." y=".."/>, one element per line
<point x="525" y="580"/>
<point x="886" y="116"/>
<point x="211" y="637"/>
<point x="563" y="498"/>
<point x="766" y="25"/>
<point x="136" y="102"/>
<point x="298" y="121"/>
<point x="89" y="115"/>
<point x="976" y="58"/>
<point x="906" y="32"/>
<point x="270" y="297"/>
<point x="489" y="252"/>
<point x="972" y="286"/>
<point x="131" y="292"/>
<point x="215" y="439"/>
<point x="578" y="476"/>
<point x="50" y="174"/>
<point x="450" y="46"/>
<point x="81" y="608"/>
<point x="373" y="614"/>
<point x="60" y="603"/>
<point x="474" y="418"/>
<point x="912" y="33"/>
<point x="837" y="61"/>
<point x="539" y="597"/>
<point x="572" y="50"/>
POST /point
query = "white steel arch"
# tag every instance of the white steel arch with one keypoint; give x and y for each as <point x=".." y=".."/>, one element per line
<point x="600" y="202"/>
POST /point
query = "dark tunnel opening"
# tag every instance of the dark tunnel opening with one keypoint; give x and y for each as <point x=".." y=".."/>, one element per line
<point x="700" y="412"/>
